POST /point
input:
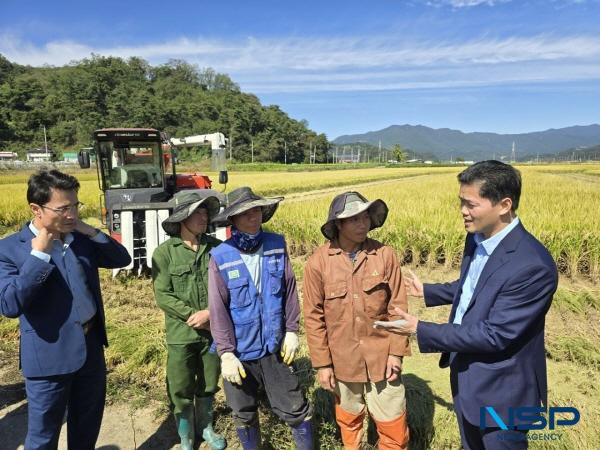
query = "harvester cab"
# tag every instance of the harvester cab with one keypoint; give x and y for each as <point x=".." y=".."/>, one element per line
<point x="137" y="186"/>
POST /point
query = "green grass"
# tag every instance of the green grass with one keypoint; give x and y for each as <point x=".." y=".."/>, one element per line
<point x="577" y="349"/>
<point x="577" y="301"/>
<point x="9" y="329"/>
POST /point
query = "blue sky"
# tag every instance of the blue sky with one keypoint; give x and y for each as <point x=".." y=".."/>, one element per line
<point x="349" y="66"/>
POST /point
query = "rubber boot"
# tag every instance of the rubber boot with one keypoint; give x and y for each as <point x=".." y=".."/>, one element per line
<point x="393" y="434"/>
<point x="303" y="435"/>
<point x="249" y="437"/>
<point x="185" y="428"/>
<point x="204" y="424"/>
<point x="351" y="427"/>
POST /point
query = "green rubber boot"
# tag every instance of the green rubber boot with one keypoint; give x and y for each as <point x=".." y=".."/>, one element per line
<point x="204" y="424"/>
<point x="185" y="429"/>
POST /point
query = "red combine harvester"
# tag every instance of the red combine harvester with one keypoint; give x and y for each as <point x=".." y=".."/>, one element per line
<point x="133" y="173"/>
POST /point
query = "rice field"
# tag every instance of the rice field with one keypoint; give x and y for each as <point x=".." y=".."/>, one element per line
<point x="281" y="183"/>
<point x="559" y="205"/>
<point x="14" y="210"/>
<point x="13" y="185"/>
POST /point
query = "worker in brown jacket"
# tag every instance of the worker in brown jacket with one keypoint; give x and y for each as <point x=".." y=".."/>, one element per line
<point x="350" y="282"/>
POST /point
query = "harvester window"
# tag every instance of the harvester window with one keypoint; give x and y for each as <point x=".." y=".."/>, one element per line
<point x="131" y="164"/>
<point x="137" y="179"/>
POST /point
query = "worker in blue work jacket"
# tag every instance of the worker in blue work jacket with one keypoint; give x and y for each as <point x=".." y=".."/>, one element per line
<point x="254" y="317"/>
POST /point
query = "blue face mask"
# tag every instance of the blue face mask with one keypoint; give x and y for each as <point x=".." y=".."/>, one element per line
<point x="246" y="242"/>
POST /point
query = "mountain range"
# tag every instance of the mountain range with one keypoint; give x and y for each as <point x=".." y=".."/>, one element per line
<point x="447" y="144"/>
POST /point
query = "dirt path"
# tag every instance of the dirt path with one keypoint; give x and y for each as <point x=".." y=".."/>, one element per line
<point x="306" y="195"/>
<point x="122" y="429"/>
<point x="586" y="177"/>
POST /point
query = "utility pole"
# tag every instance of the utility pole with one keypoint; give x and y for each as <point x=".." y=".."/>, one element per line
<point x="45" y="140"/>
<point x="285" y="151"/>
<point x="252" y="148"/>
<point x="230" y="142"/>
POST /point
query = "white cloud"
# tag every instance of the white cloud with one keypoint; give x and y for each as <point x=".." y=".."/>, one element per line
<point x="459" y="4"/>
<point x="465" y="3"/>
<point x="349" y="64"/>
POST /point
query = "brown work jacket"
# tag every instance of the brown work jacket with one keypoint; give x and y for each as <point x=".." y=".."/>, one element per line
<point x="341" y="302"/>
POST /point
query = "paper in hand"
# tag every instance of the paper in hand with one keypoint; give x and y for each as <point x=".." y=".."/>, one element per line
<point x="390" y="324"/>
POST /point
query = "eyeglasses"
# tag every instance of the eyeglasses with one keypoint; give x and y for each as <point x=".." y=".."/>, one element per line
<point x="65" y="209"/>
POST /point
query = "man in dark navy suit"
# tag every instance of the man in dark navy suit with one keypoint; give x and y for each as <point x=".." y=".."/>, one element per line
<point x="494" y="341"/>
<point x="49" y="280"/>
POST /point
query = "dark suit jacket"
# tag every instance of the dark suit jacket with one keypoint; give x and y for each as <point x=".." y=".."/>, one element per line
<point x="499" y="357"/>
<point x="52" y="338"/>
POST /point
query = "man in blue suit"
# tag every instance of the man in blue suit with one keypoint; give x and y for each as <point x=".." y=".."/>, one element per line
<point x="49" y="280"/>
<point x="494" y="341"/>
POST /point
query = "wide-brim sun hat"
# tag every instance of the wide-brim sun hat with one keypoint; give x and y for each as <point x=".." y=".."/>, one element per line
<point x="188" y="201"/>
<point x="243" y="199"/>
<point x="350" y="204"/>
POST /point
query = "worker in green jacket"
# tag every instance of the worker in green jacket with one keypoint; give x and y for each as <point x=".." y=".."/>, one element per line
<point x="180" y="275"/>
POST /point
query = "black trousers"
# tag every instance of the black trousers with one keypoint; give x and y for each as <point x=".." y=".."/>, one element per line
<point x="474" y="438"/>
<point x="281" y="386"/>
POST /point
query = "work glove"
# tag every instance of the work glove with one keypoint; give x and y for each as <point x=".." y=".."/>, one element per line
<point x="289" y="347"/>
<point x="232" y="369"/>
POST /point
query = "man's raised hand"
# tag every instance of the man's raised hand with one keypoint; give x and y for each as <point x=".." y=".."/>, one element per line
<point x="43" y="241"/>
<point x="413" y="285"/>
<point x="84" y="228"/>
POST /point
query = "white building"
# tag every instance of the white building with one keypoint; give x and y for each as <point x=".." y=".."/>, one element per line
<point x="40" y="155"/>
<point x="8" y="156"/>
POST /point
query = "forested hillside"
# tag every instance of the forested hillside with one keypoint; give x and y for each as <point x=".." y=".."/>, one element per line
<point x="176" y="97"/>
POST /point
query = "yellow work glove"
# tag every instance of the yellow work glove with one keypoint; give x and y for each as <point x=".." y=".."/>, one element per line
<point x="232" y="369"/>
<point x="289" y="347"/>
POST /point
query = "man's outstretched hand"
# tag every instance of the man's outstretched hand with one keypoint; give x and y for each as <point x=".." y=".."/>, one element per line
<point x="406" y="325"/>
